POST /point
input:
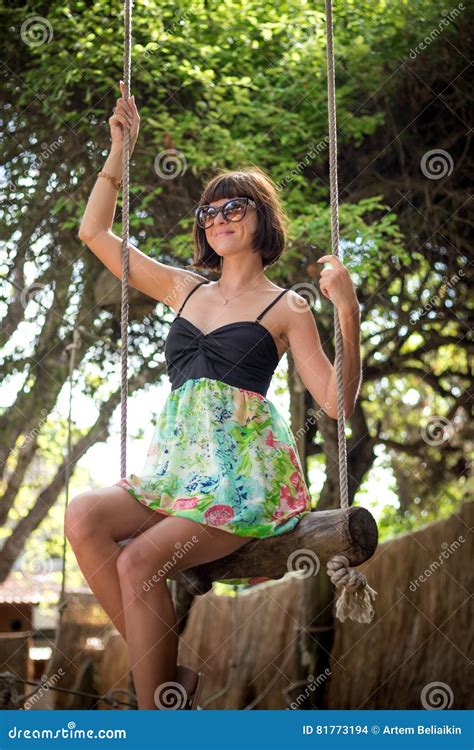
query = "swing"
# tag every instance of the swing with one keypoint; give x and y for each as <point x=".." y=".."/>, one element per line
<point x="341" y="538"/>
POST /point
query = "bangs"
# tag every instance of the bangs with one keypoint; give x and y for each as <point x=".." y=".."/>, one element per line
<point x="235" y="185"/>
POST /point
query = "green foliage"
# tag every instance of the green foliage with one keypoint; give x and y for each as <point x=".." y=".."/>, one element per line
<point x="233" y="83"/>
<point x="394" y="522"/>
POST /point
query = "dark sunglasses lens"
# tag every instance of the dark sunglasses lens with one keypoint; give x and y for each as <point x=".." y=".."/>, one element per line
<point x="235" y="210"/>
<point x="205" y="216"/>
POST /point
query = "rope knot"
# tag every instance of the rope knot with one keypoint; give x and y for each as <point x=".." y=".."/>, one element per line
<point x="355" y="595"/>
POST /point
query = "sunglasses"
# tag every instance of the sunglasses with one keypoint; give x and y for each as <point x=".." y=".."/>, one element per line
<point x="233" y="210"/>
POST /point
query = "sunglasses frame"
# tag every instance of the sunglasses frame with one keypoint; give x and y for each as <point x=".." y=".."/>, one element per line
<point x="222" y="208"/>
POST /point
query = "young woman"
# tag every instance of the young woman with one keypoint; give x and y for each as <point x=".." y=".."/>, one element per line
<point x="222" y="467"/>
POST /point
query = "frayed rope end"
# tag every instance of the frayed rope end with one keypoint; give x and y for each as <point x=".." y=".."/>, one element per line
<point x="355" y="595"/>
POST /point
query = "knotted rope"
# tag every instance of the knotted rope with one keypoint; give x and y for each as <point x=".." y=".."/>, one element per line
<point x="355" y="595"/>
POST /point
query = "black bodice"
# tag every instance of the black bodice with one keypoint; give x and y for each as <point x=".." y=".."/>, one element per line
<point x="243" y="354"/>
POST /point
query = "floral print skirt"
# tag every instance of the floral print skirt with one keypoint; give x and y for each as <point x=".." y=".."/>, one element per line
<point x="223" y="456"/>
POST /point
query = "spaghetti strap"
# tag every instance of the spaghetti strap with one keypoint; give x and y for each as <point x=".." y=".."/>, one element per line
<point x="271" y="304"/>
<point x="191" y="292"/>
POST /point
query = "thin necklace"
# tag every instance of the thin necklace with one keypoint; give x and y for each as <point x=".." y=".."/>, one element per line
<point x="228" y="299"/>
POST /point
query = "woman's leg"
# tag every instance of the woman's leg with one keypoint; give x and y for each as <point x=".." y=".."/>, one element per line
<point x="95" y="522"/>
<point x="175" y="544"/>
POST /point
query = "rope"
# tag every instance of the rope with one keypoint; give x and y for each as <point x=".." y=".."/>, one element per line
<point x="355" y="596"/>
<point x="125" y="237"/>
<point x="62" y="602"/>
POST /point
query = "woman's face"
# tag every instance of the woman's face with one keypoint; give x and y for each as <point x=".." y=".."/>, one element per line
<point x="231" y="237"/>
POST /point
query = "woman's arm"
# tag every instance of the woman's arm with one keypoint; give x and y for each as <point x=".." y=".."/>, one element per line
<point x="100" y="210"/>
<point x="349" y="320"/>
<point x="157" y="280"/>
<point x="312" y="364"/>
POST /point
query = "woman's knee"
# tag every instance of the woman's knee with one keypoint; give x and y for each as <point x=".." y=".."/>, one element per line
<point x="140" y="569"/>
<point x="81" y="518"/>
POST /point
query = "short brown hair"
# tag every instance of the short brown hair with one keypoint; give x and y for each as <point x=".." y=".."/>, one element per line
<point x="252" y="182"/>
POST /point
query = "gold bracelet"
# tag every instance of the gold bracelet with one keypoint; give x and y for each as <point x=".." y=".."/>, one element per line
<point x="116" y="183"/>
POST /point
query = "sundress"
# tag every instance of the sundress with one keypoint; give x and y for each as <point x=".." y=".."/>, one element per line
<point x="221" y="453"/>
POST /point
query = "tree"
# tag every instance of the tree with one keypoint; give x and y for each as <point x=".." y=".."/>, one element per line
<point x="224" y="86"/>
